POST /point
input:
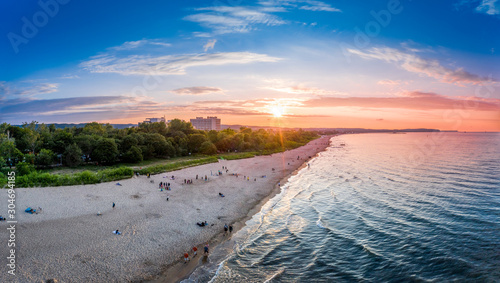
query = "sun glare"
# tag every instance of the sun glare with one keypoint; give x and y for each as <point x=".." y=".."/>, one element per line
<point x="277" y="111"/>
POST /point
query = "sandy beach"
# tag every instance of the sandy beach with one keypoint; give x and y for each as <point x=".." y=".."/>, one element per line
<point x="69" y="242"/>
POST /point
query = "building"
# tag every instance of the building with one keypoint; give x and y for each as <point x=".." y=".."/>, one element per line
<point x="208" y="124"/>
<point x="153" y="120"/>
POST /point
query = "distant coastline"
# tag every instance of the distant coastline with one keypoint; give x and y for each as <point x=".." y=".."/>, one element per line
<point x="237" y="127"/>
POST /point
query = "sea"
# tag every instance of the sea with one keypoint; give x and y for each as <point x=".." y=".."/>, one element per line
<point x="415" y="207"/>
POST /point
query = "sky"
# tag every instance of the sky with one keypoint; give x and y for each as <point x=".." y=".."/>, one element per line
<point x="293" y="63"/>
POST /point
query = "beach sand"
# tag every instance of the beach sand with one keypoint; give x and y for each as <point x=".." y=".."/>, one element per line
<point x="69" y="242"/>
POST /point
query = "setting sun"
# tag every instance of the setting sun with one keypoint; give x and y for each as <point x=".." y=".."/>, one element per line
<point x="277" y="111"/>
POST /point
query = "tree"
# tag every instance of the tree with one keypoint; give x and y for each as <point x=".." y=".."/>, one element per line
<point x="128" y="142"/>
<point x="105" y="151"/>
<point x="212" y="136"/>
<point x="133" y="155"/>
<point x="94" y="128"/>
<point x="30" y="135"/>
<point x="157" y="145"/>
<point x="73" y="155"/>
<point x="156" y="127"/>
<point x="9" y="152"/>
<point x="208" y="148"/>
<point x="86" y="143"/>
<point x="177" y="125"/>
<point x="45" y="157"/>
<point x="61" y="139"/>
<point x="195" y="141"/>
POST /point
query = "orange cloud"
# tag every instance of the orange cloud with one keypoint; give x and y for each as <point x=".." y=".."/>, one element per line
<point x="412" y="100"/>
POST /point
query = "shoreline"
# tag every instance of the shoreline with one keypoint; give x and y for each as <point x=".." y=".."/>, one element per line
<point x="178" y="271"/>
<point x="68" y="242"/>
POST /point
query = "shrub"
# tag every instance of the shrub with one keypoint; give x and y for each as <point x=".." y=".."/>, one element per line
<point x="23" y="168"/>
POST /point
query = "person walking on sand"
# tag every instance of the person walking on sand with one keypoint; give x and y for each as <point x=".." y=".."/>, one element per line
<point x="230" y="229"/>
<point x="186" y="257"/>
<point x="206" y="249"/>
<point x="195" y="250"/>
<point x="114" y="205"/>
<point x="225" y="229"/>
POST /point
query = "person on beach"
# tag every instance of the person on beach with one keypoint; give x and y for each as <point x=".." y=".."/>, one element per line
<point x="206" y="249"/>
<point x="225" y="229"/>
<point x="230" y="228"/>
<point x="114" y="205"/>
<point x="186" y="257"/>
<point x="117" y="232"/>
<point x="221" y="195"/>
<point x="195" y="250"/>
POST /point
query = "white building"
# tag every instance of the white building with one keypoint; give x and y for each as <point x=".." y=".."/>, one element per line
<point x="154" y="120"/>
<point x="208" y="124"/>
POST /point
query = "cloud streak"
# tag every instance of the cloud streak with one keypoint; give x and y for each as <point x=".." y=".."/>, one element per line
<point x="229" y="19"/>
<point x="129" y="45"/>
<point x="490" y="7"/>
<point x="301" y="90"/>
<point x="209" y="45"/>
<point x="197" y="90"/>
<point x="310" y="5"/>
<point x="169" y="64"/>
<point x="86" y="108"/>
<point x="11" y="91"/>
<point x="416" y="64"/>
<point x="412" y="100"/>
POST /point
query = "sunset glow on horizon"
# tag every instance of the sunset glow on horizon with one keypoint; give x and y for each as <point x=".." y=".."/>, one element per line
<point x="307" y="63"/>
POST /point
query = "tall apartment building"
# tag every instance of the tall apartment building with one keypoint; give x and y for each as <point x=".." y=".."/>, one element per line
<point x="208" y="124"/>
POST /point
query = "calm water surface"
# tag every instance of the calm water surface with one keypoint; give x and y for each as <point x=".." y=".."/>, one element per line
<point x="377" y="208"/>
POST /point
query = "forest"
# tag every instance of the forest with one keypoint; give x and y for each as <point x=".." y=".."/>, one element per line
<point x="35" y="146"/>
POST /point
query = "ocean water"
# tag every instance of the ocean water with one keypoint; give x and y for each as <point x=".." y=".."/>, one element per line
<point x="416" y="207"/>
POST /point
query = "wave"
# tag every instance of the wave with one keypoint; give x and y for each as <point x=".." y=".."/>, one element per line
<point x="275" y="275"/>
<point x="368" y="214"/>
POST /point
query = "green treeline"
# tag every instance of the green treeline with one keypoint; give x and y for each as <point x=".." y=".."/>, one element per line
<point x="34" y="146"/>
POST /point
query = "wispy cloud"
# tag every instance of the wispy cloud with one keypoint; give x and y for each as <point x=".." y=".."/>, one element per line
<point x="318" y="6"/>
<point x="411" y="100"/>
<point x="25" y="90"/>
<point x="490" y="7"/>
<point x="197" y="90"/>
<point x="302" y="90"/>
<point x="389" y="82"/>
<point x="311" y="5"/>
<point x="81" y="108"/>
<point x="262" y="106"/>
<point x="68" y="77"/>
<point x="417" y="64"/>
<point x="229" y="19"/>
<point x="129" y="45"/>
<point x="169" y="64"/>
<point x="209" y="45"/>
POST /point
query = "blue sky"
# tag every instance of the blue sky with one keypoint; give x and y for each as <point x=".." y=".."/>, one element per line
<point x="295" y="63"/>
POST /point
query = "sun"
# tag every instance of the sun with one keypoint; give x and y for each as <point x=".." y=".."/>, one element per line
<point x="277" y="111"/>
